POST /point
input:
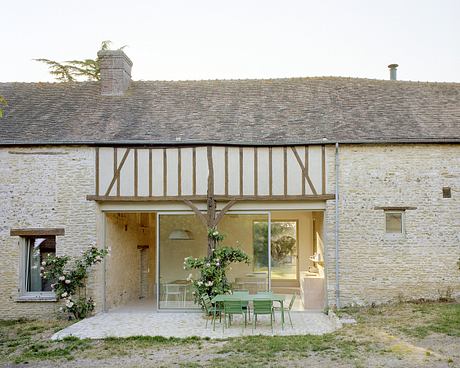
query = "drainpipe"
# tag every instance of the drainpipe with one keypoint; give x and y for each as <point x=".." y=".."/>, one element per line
<point x="104" y="261"/>
<point x="337" y="283"/>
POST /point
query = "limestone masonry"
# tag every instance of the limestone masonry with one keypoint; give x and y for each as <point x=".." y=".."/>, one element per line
<point x="46" y="187"/>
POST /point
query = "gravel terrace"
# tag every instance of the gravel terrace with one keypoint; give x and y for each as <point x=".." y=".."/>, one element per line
<point x="125" y="324"/>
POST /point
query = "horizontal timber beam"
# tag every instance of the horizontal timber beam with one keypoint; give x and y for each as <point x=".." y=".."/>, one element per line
<point x="395" y="208"/>
<point x="321" y="197"/>
<point x="37" y="232"/>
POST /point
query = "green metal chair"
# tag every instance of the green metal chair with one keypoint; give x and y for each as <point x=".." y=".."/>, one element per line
<point x="246" y="308"/>
<point x="263" y="306"/>
<point x="232" y="307"/>
<point x="288" y="309"/>
<point x="211" y="310"/>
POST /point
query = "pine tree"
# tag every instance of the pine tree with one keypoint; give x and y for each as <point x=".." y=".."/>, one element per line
<point x="61" y="72"/>
<point x="72" y="70"/>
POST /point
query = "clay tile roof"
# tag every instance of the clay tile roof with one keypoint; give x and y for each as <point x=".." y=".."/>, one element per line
<point x="262" y="112"/>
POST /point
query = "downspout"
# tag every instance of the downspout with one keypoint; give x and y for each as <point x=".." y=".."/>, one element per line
<point x="337" y="283"/>
<point x="104" y="261"/>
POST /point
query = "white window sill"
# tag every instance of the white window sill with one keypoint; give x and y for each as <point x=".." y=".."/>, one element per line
<point x="37" y="297"/>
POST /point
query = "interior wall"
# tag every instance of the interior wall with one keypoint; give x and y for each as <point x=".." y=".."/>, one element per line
<point x="173" y="252"/>
<point x="318" y="217"/>
<point x="124" y="233"/>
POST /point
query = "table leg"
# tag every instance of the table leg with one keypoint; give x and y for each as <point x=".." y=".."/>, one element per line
<point x="282" y="315"/>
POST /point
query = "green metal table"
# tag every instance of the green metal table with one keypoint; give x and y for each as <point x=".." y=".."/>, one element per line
<point x="250" y="297"/>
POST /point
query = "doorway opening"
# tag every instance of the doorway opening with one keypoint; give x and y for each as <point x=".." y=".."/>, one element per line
<point x="130" y="263"/>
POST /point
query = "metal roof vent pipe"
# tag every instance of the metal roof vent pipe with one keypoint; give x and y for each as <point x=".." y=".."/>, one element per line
<point x="393" y="68"/>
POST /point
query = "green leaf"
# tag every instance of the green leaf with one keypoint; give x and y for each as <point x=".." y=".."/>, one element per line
<point x="61" y="71"/>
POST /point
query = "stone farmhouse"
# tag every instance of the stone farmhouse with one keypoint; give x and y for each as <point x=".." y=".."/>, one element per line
<point x="342" y="190"/>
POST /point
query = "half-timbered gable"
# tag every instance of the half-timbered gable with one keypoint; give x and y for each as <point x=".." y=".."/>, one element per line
<point x="238" y="173"/>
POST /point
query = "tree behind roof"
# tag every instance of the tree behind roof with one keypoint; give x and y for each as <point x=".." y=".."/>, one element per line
<point x="73" y="70"/>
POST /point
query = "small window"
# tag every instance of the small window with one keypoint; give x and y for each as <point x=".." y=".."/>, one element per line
<point x="446" y="192"/>
<point x="37" y="249"/>
<point x="394" y="223"/>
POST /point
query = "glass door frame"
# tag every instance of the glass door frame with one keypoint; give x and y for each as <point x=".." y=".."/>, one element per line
<point x="157" y="273"/>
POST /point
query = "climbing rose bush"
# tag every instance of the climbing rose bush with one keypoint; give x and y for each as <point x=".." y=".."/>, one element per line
<point x="215" y="235"/>
<point x="69" y="280"/>
<point x="213" y="280"/>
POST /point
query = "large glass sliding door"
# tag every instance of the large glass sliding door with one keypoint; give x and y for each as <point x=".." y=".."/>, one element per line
<point x="250" y="232"/>
<point x="180" y="235"/>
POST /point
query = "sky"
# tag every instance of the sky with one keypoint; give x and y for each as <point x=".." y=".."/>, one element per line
<point x="200" y="39"/>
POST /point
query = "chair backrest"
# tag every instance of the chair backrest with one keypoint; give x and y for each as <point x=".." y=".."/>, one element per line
<point x="262" y="306"/>
<point x="292" y="301"/>
<point x="206" y="302"/>
<point x="174" y="288"/>
<point x="233" y="306"/>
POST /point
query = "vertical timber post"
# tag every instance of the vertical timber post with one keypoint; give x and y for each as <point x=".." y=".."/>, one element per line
<point x="211" y="202"/>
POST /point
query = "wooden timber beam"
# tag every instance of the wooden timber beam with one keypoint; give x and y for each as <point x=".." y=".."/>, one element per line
<point x="207" y="221"/>
<point x="97" y="170"/>
<point x="37" y="232"/>
<point x="117" y="172"/>
<point x="223" y="212"/>
<point x="210" y="201"/>
<point x="195" y="209"/>
<point x="323" y="169"/>
<point x="304" y="171"/>
<point x="219" y="198"/>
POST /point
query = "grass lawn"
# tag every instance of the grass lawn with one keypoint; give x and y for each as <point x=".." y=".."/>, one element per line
<point x="401" y="335"/>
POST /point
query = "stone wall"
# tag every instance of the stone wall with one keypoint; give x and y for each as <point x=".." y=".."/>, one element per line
<point x="373" y="267"/>
<point x="42" y="187"/>
<point x="46" y="187"/>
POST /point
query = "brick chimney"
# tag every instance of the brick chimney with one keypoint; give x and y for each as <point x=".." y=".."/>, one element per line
<point x="115" y="72"/>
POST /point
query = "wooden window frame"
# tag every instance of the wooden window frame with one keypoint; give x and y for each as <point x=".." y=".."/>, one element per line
<point x="24" y="234"/>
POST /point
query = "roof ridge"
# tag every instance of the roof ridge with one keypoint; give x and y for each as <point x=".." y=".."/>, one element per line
<point x="386" y="81"/>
